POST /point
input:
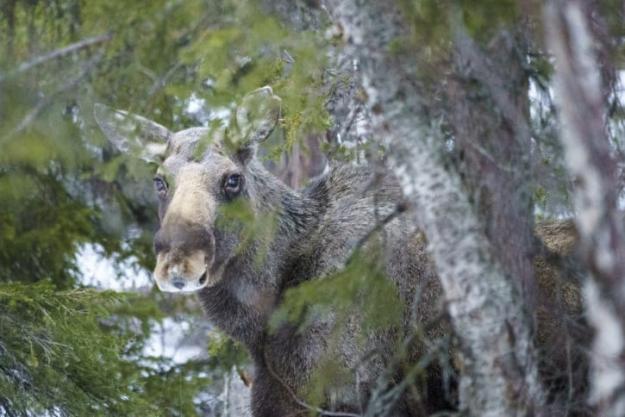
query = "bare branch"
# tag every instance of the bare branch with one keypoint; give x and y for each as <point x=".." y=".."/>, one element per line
<point x="399" y="209"/>
<point x="57" y="53"/>
<point x="47" y="100"/>
<point x="301" y="402"/>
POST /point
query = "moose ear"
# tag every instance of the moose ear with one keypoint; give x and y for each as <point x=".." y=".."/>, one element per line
<point x="253" y="121"/>
<point x="133" y="134"/>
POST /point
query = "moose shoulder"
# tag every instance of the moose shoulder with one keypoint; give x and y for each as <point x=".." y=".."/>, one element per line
<point x="236" y="235"/>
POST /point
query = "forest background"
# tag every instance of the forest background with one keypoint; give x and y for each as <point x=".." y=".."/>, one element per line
<point x="482" y="93"/>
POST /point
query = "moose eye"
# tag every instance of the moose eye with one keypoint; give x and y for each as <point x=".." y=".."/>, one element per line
<point x="160" y="185"/>
<point x="232" y="185"/>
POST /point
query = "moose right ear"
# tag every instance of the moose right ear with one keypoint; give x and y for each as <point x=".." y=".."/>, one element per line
<point x="253" y="121"/>
<point x="257" y="115"/>
<point x="131" y="133"/>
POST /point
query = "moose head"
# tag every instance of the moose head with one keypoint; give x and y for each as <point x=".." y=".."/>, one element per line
<point x="200" y="170"/>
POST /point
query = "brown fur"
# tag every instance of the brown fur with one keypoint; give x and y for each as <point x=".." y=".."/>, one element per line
<point x="562" y="334"/>
<point x="315" y="233"/>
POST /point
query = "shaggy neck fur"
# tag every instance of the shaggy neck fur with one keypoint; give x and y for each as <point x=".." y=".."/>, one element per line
<point x="248" y="292"/>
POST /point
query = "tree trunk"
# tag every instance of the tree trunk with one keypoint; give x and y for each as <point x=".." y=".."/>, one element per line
<point x="349" y="116"/>
<point x="488" y="110"/>
<point x="499" y="375"/>
<point x="588" y="153"/>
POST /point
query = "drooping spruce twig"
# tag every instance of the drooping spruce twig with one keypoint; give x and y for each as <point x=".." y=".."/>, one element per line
<point x="74" y="47"/>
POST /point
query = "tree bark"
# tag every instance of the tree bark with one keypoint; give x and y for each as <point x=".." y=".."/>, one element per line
<point x="499" y="375"/>
<point x="588" y="153"/>
<point x="350" y="127"/>
<point x="488" y="111"/>
<point x="299" y="15"/>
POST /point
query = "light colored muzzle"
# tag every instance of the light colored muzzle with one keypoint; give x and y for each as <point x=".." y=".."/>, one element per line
<point x="176" y="273"/>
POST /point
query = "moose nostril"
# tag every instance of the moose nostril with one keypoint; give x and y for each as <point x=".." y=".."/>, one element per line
<point x="203" y="278"/>
<point x="178" y="283"/>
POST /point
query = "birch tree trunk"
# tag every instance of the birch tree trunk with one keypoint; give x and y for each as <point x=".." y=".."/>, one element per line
<point x="499" y="375"/>
<point x="582" y="117"/>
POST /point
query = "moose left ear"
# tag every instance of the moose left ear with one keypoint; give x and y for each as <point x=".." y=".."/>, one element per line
<point x="254" y="120"/>
<point x="133" y="134"/>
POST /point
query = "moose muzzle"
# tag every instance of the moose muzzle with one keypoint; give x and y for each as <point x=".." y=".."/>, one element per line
<point x="184" y="254"/>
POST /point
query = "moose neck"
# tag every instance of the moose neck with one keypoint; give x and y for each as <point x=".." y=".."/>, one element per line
<point x="245" y="299"/>
<point x="296" y="215"/>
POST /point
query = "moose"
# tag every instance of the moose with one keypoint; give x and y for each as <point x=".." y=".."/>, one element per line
<point x="241" y="277"/>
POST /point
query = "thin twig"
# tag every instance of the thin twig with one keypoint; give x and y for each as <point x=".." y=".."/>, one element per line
<point x="351" y="118"/>
<point x="25" y="66"/>
<point x="162" y="81"/>
<point x="46" y="101"/>
<point x="399" y="209"/>
<point x="300" y="401"/>
<point x="383" y="400"/>
<point x="482" y="151"/>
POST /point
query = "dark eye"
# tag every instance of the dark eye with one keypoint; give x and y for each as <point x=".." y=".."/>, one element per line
<point x="160" y="185"/>
<point x="232" y="185"/>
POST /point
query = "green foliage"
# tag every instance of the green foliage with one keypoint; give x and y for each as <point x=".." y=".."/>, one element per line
<point x="39" y="239"/>
<point x="253" y="228"/>
<point x="252" y="50"/>
<point x="612" y="12"/>
<point x="75" y="351"/>
<point x="356" y="297"/>
<point x="430" y="20"/>
<point x="225" y="353"/>
<point x="433" y="19"/>
<point x="360" y="290"/>
<point x="328" y="374"/>
<point x="486" y="18"/>
<point x="80" y="352"/>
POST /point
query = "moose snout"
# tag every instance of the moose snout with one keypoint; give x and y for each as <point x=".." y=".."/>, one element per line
<point x="183" y="258"/>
